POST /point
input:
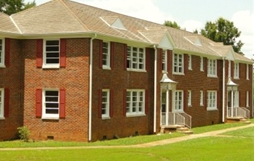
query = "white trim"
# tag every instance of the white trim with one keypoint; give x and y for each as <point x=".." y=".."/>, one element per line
<point x="201" y="64"/>
<point x="179" y="104"/>
<point x="155" y="89"/>
<point x="164" y="60"/>
<point x="190" y="62"/>
<point x="211" y="100"/>
<point x="44" y="114"/>
<point x="47" y="65"/>
<point x="247" y="99"/>
<point x="15" y="24"/>
<point x="212" y="70"/>
<point x="138" y="63"/>
<point x="107" y="114"/>
<point x="236" y="70"/>
<point x="139" y="102"/>
<point x="247" y="71"/>
<point x="189" y="97"/>
<point x="178" y="65"/>
<point x="108" y="59"/>
<point x="201" y="98"/>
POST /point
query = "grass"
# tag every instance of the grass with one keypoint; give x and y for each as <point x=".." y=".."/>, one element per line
<point x="238" y="147"/>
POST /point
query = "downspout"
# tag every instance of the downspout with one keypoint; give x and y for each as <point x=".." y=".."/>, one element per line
<point x="223" y="91"/>
<point x="155" y="88"/>
<point x="90" y="89"/>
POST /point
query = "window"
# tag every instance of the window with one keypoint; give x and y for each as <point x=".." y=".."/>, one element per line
<point x="236" y="70"/>
<point x="189" y="99"/>
<point x="52" y="54"/>
<point x="135" y="101"/>
<point x="1" y="103"/>
<point x="211" y="100"/>
<point x="135" y="58"/>
<point x="106" y="55"/>
<point x="247" y="98"/>
<point x="201" y="98"/>
<point x="190" y="62"/>
<point x="105" y="103"/>
<point x="1" y="52"/>
<point x="164" y="60"/>
<point x="212" y="67"/>
<point x="201" y="64"/>
<point x="178" y="60"/>
<point x="50" y="104"/>
<point x="236" y="99"/>
<point x="179" y="101"/>
<point x="247" y="71"/>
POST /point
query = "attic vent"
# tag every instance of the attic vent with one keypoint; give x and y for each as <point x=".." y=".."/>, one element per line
<point x="194" y="40"/>
<point x="113" y="21"/>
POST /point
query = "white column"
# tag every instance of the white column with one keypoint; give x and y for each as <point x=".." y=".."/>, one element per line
<point x="173" y="105"/>
<point x="167" y="107"/>
<point x="232" y="103"/>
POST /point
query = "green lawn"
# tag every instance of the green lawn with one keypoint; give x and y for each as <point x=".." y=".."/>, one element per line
<point x="238" y="147"/>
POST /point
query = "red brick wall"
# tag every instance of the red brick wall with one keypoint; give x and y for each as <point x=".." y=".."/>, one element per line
<point x="74" y="78"/>
<point x="11" y="78"/>
<point x="119" y="79"/>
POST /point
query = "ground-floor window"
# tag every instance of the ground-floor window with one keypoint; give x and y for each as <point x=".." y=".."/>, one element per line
<point x="51" y="103"/>
<point x="179" y="100"/>
<point x="105" y="103"/>
<point x="211" y="100"/>
<point x="135" y="102"/>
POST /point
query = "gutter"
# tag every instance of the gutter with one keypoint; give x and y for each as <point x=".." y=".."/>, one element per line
<point x="90" y="89"/>
<point x="155" y="88"/>
<point x="223" y="91"/>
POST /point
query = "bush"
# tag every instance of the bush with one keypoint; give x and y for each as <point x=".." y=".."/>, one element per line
<point x="24" y="133"/>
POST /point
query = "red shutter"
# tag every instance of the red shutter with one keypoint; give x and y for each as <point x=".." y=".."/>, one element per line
<point x="99" y="103"/>
<point x="62" y="103"/>
<point x="111" y="103"/>
<point x="112" y="54"/>
<point x="38" y="103"/>
<point x="39" y="56"/>
<point x="124" y="102"/>
<point x="100" y="54"/>
<point x="7" y="52"/>
<point x="125" y="56"/>
<point x="146" y="102"/>
<point x="147" y="55"/>
<point x="63" y="53"/>
<point x="6" y="102"/>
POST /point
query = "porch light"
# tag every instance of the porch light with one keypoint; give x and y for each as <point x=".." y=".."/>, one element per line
<point x="231" y="86"/>
<point x="167" y="83"/>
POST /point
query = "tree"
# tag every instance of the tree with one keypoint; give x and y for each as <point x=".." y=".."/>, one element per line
<point x="172" y="24"/>
<point x="13" y="6"/>
<point x="223" y="31"/>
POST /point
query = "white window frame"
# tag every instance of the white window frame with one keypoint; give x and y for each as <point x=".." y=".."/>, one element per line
<point x="178" y="64"/>
<point x="212" y="100"/>
<point x="50" y="65"/>
<point x="212" y="68"/>
<point x="189" y="98"/>
<point x="189" y="62"/>
<point x="106" y="103"/>
<point x="201" y="64"/>
<point x="136" y="58"/>
<point x="179" y="100"/>
<point x="201" y="98"/>
<point x="236" y="70"/>
<point x="138" y="102"/>
<point x="1" y="103"/>
<point x="236" y="99"/>
<point x="106" y="55"/>
<point x="47" y="115"/>
<point x="247" y="98"/>
<point x="2" y="53"/>
<point x="164" y="60"/>
<point x="247" y="71"/>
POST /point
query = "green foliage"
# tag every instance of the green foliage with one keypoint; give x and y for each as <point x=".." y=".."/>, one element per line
<point x="172" y="24"/>
<point x="13" y="6"/>
<point x="24" y="133"/>
<point x="223" y="31"/>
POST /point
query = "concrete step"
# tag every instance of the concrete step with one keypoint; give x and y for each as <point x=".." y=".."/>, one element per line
<point x="188" y="132"/>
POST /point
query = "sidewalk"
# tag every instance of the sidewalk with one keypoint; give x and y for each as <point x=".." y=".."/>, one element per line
<point x="145" y="145"/>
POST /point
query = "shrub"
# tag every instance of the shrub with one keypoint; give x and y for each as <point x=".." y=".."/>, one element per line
<point x="24" y="133"/>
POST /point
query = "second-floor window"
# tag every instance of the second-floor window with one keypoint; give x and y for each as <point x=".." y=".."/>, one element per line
<point x="236" y="70"/>
<point x="178" y="64"/>
<point x="51" y="53"/>
<point x="164" y="60"/>
<point x="212" y="67"/>
<point x="106" y="55"/>
<point x="135" y="58"/>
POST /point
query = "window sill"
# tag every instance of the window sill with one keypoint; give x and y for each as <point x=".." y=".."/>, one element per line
<point x="106" y="68"/>
<point x="105" y="118"/>
<point x="135" y="115"/>
<point x="2" y="118"/>
<point x="51" y="66"/>
<point x="178" y="73"/>
<point x="2" y="66"/>
<point x="212" y="76"/>
<point x="136" y="70"/>
<point x="50" y="118"/>
<point x="236" y="78"/>
<point x="212" y="109"/>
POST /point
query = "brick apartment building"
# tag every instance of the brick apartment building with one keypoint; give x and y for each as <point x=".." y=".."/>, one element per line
<point x="69" y="71"/>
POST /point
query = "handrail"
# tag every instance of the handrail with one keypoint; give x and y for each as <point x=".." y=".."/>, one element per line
<point x="188" y="120"/>
<point x="239" y="112"/>
<point x="177" y="119"/>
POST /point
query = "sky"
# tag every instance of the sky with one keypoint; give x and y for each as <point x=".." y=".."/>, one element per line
<point x="189" y="14"/>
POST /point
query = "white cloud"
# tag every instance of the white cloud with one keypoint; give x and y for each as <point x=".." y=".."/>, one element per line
<point x="191" y="25"/>
<point x="243" y="20"/>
